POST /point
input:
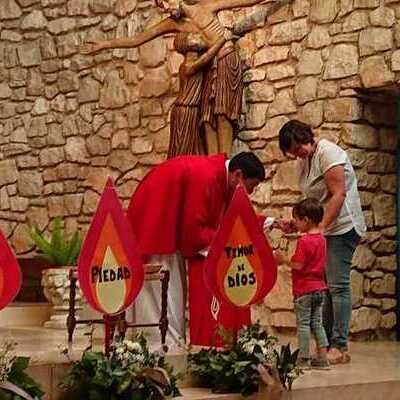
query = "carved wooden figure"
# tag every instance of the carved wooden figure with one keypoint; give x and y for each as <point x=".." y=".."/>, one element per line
<point x="185" y="135"/>
<point x="223" y="84"/>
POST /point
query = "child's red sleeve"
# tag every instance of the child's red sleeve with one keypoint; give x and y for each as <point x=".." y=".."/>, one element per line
<point x="299" y="255"/>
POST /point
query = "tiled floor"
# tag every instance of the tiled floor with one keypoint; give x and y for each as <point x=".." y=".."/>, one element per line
<point x="374" y="372"/>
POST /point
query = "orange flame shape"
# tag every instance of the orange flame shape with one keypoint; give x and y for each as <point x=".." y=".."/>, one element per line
<point x="240" y="267"/>
<point x="240" y="276"/>
<point x="110" y="267"/>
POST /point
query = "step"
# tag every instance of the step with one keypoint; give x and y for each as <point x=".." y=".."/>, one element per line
<point x="24" y="314"/>
<point x="367" y="391"/>
<point x="373" y="373"/>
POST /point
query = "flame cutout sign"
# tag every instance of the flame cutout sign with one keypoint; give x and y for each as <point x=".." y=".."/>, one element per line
<point x="240" y="267"/>
<point x="10" y="274"/>
<point x="110" y="268"/>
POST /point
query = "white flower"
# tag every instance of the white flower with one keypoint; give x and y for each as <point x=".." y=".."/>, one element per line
<point x="139" y="358"/>
<point x="133" y="346"/>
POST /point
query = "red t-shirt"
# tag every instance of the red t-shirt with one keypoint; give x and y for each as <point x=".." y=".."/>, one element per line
<point x="311" y="252"/>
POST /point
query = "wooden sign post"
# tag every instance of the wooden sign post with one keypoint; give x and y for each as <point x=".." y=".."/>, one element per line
<point x="110" y="268"/>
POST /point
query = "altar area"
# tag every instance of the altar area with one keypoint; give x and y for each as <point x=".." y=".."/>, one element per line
<point x="374" y="372"/>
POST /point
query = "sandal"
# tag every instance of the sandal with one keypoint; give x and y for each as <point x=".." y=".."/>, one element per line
<point x="335" y="356"/>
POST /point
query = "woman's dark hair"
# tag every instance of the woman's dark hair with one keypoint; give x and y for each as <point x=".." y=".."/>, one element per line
<point x="249" y="164"/>
<point x="310" y="208"/>
<point x="294" y="132"/>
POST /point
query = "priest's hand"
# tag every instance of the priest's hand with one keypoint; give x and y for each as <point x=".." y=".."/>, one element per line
<point x="204" y="252"/>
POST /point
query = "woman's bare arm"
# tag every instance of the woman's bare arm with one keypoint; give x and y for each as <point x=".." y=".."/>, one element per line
<point x="335" y="182"/>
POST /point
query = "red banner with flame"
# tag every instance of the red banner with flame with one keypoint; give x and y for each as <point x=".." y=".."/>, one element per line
<point x="240" y="267"/>
<point x="10" y="274"/>
<point x="110" y="268"/>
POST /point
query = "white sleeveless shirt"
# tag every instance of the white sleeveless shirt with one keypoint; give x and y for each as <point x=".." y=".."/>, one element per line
<point x="326" y="156"/>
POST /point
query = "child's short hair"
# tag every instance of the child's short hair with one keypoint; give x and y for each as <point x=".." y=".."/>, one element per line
<point x="310" y="208"/>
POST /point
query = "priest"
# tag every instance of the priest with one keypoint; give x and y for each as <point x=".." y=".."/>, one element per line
<point x="175" y="212"/>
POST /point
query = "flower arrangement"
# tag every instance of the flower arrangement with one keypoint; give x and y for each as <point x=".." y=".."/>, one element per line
<point x="131" y="372"/>
<point x="15" y="383"/>
<point x="236" y="370"/>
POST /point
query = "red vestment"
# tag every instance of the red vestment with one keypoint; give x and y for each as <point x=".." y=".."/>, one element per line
<point x="178" y="207"/>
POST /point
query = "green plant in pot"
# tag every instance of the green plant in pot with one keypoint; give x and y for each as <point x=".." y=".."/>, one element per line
<point x="60" y="250"/>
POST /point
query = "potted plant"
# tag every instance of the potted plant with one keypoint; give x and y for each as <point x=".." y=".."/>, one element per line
<point x="236" y="370"/>
<point x="15" y="382"/>
<point x="61" y="251"/>
<point x="130" y="372"/>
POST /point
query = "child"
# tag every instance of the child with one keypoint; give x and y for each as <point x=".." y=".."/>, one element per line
<point x="308" y="269"/>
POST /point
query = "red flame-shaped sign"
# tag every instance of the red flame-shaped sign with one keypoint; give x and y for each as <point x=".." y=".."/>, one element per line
<point x="110" y="268"/>
<point x="10" y="274"/>
<point x="240" y="267"/>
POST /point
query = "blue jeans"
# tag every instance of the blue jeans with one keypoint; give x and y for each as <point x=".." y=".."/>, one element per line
<point x="337" y="305"/>
<point x="308" y="309"/>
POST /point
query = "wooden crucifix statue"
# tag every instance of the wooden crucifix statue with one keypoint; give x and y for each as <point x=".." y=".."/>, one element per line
<point x="222" y="86"/>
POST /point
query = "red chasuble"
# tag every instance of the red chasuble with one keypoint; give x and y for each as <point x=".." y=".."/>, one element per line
<point x="179" y="204"/>
<point x="178" y="207"/>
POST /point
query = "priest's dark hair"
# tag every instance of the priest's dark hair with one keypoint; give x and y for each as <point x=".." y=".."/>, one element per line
<point x="294" y="132"/>
<point x="249" y="164"/>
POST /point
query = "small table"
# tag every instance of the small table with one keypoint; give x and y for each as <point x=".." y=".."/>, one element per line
<point x="152" y="272"/>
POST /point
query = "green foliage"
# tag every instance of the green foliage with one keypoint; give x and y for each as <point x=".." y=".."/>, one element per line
<point x="16" y="374"/>
<point x="131" y="372"/>
<point x="286" y="365"/>
<point x="235" y="370"/>
<point x="59" y="249"/>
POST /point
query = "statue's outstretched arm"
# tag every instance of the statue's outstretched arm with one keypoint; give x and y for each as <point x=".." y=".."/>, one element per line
<point x="258" y="17"/>
<point x="204" y="59"/>
<point x="167" y="25"/>
<point x="219" y="5"/>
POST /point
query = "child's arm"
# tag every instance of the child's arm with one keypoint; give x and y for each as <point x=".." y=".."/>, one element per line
<point x="281" y="258"/>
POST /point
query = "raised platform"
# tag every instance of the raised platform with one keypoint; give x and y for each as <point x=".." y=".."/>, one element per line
<point x="24" y="314"/>
<point x="374" y="372"/>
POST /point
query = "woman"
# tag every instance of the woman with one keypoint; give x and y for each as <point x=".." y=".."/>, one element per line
<point x="326" y="174"/>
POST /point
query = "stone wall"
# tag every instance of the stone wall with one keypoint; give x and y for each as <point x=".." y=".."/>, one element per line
<point x="68" y="120"/>
<point x="327" y="63"/>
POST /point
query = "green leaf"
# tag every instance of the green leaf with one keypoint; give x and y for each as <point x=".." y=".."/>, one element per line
<point x="20" y="364"/>
<point x="58" y="249"/>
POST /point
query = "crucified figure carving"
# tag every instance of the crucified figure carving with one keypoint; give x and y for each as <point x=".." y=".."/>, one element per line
<point x="223" y="83"/>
